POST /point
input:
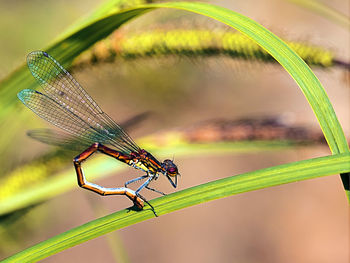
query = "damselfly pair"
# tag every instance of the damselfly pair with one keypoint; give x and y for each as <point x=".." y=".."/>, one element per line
<point x="67" y="105"/>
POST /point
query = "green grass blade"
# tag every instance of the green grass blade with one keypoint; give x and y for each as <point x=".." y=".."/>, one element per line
<point x="64" y="51"/>
<point x="67" y="49"/>
<point x="294" y="65"/>
<point x="107" y="7"/>
<point x="259" y="179"/>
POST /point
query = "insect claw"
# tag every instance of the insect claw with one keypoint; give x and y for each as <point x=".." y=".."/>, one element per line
<point x="151" y="206"/>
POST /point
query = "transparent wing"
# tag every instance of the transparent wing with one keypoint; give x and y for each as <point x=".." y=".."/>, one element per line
<point x="67" y="105"/>
<point x="59" y="138"/>
<point x="72" y="142"/>
<point x="51" y="111"/>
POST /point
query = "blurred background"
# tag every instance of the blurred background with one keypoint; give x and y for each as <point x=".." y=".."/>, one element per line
<point x="300" y="222"/>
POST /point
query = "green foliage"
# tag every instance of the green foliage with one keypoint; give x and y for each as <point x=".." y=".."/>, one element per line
<point x="66" y="49"/>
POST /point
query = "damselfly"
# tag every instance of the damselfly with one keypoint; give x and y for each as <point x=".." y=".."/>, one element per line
<point x="67" y="105"/>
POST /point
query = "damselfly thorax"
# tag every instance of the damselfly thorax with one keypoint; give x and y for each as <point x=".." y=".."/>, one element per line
<point x="67" y="105"/>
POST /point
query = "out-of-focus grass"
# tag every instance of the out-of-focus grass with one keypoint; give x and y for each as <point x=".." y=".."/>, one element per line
<point x="39" y="23"/>
<point x="194" y="43"/>
<point x="40" y="181"/>
<point x="322" y="9"/>
<point x="210" y="137"/>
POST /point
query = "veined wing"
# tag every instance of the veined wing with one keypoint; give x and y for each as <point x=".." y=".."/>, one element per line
<point x="51" y="111"/>
<point x="72" y="142"/>
<point x="67" y="105"/>
<point x="59" y="138"/>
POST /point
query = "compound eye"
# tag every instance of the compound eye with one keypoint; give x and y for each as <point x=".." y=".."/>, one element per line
<point x="172" y="170"/>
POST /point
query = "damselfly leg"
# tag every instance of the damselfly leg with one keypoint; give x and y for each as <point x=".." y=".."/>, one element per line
<point x="82" y="182"/>
<point x="154" y="190"/>
<point x="147" y="186"/>
<point x="135" y="180"/>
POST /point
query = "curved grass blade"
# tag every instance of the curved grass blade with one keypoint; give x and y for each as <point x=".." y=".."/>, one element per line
<point x="259" y="179"/>
<point x="67" y="49"/>
<point x="268" y="177"/>
<point x="294" y="65"/>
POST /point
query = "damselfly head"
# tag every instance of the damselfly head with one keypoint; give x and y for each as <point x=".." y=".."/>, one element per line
<point x="170" y="168"/>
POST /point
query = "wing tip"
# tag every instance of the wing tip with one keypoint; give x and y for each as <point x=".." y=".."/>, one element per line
<point x="25" y="94"/>
<point x="33" y="54"/>
<point x="36" y="55"/>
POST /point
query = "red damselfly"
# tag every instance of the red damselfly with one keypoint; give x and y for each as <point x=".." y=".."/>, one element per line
<point x="67" y="105"/>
